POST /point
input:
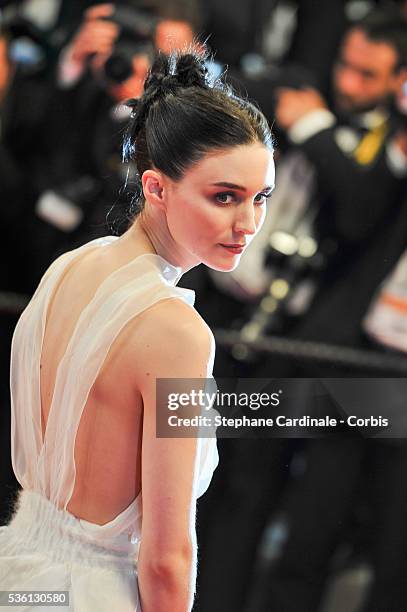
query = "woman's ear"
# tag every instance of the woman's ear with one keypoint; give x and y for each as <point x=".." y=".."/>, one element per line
<point x="153" y="187"/>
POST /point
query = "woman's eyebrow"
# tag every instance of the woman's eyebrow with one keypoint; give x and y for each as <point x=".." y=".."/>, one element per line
<point x="229" y="185"/>
<point x="269" y="189"/>
<point x="239" y="187"/>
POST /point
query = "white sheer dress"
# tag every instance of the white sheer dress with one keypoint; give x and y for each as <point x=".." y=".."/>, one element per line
<point x="44" y="546"/>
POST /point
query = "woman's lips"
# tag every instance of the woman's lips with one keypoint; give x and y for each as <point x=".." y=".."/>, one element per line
<point x="233" y="248"/>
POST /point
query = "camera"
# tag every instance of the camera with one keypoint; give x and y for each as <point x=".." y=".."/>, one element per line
<point x="137" y="32"/>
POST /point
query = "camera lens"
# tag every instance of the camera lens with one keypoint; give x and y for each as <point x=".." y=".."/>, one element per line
<point x="118" y="68"/>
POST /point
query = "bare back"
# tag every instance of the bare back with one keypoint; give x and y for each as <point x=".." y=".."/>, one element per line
<point x="89" y="330"/>
<point x="108" y="441"/>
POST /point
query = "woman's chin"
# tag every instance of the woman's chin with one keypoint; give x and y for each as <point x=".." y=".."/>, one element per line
<point x="224" y="266"/>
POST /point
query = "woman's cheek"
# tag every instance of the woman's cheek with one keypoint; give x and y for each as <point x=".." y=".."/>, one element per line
<point x="212" y="218"/>
<point x="261" y="215"/>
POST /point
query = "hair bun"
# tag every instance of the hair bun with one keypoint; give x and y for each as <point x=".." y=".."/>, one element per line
<point x="160" y="84"/>
<point x="191" y="70"/>
<point x="169" y="73"/>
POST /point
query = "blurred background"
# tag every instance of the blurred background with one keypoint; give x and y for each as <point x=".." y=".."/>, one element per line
<point x="288" y="525"/>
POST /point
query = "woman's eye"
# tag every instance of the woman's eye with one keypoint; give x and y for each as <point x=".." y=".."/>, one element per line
<point x="261" y="198"/>
<point x="225" y="198"/>
<point x="229" y="198"/>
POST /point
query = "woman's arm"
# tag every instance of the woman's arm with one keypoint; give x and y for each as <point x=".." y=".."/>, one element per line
<point x="175" y="344"/>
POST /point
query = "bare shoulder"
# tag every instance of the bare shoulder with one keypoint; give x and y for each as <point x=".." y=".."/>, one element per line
<point x="172" y="316"/>
<point x="174" y="341"/>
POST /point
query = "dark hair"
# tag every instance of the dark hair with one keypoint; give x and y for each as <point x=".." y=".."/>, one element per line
<point x="182" y="115"/>
<point x="389" y="25"/>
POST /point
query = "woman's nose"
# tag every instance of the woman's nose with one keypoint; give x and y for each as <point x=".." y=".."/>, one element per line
<point x="245" y="220"/>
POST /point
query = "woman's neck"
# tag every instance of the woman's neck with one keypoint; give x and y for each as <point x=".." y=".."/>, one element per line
<point x="150" y="234"/>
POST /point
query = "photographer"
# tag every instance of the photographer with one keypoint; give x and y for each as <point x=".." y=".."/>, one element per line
<point x="91" y="48"/>
<point x="140" y="33"/>
<point x="359" y="156"/>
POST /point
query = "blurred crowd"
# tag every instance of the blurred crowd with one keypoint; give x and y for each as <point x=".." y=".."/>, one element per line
<point x="329" y="266"/>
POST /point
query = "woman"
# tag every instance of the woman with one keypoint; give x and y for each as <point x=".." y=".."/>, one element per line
<point x="104" y="323"/>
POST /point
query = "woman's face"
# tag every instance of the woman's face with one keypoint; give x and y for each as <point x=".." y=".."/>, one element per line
<point x="219" y="205"/>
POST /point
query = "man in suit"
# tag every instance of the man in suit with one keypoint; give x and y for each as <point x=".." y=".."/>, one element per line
<point x="357" y="148"/>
